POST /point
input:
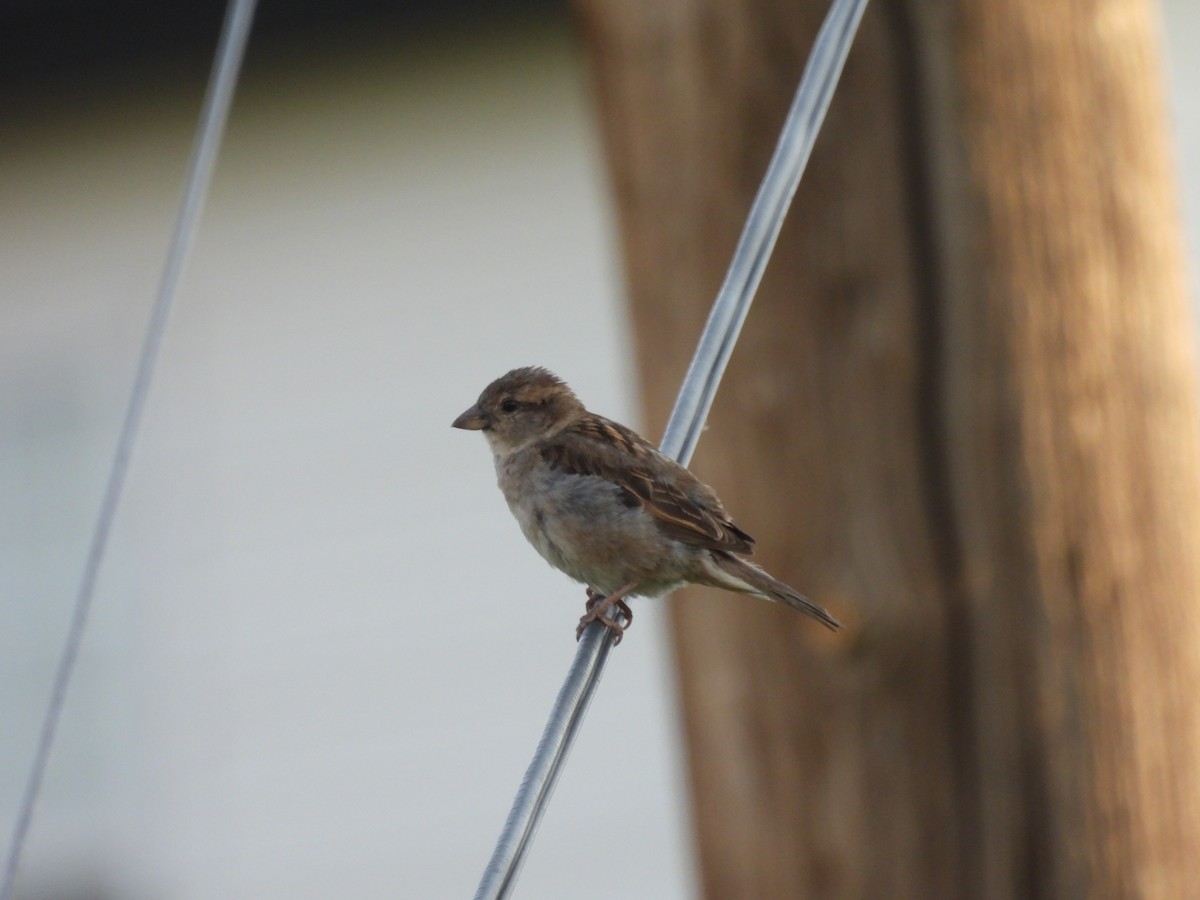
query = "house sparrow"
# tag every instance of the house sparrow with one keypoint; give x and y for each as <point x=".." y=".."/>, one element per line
<point x="601" y="504"/>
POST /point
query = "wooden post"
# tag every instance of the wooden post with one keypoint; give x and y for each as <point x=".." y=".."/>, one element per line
<point x="963" y="416"/>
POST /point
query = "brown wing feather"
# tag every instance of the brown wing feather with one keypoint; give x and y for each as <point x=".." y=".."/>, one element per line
<point x="685" y="508"/>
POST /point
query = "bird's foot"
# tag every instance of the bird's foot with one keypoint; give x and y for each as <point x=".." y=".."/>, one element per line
<point x="610" y="622"/>
<point x="598" y="605"/>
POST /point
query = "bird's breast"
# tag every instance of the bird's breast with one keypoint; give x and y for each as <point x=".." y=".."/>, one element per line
<point x="582" y="524"/>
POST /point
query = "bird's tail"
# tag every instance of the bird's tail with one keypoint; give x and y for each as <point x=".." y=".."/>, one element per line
<point x="736" y="574"/>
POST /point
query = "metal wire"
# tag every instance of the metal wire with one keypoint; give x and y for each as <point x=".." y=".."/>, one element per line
<point x="687" y="421"/>
<point x="762" y="228"/>
<point x="226" y="65"/>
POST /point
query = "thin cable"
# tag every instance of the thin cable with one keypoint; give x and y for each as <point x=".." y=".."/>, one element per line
<point x="227" y="63"/>
<point x="533" y="796"/>
<point x="686" y="423"/>
<point x="762" y="228"/>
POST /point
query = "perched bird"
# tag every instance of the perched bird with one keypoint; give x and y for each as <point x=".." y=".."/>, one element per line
<point x="601" y="504"/>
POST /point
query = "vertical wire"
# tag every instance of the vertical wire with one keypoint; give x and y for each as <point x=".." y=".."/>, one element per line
<point x="227" y="62"/>
<point x="683" y="430"/>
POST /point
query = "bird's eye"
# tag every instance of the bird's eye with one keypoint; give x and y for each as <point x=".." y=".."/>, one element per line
<point x="509" y="406"/>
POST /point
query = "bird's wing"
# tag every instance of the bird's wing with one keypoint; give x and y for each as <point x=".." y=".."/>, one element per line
<point x="684" y="507"/>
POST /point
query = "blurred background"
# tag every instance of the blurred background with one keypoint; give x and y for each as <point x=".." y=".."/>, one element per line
<point x="321" y="652"/>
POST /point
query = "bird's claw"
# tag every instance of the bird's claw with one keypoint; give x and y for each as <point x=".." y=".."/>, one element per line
<point x="597" y="606"/>
<point x="609" y="622"/>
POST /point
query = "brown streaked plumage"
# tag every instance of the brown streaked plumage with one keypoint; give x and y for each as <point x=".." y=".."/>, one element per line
<point x="601" y="504"/>
<point x="686" y="509"/>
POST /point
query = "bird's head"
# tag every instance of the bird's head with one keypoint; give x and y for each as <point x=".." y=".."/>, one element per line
<point x="521" y="407"/>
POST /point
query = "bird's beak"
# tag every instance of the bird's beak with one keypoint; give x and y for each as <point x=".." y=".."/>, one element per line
<point x="474" y="419"/>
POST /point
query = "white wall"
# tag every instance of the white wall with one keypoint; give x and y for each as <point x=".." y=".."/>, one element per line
<point x="321" y="653"/>
<point x="1181" y="20"/>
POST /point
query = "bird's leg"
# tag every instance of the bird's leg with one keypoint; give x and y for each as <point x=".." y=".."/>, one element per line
<point x="597" y="606"/>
